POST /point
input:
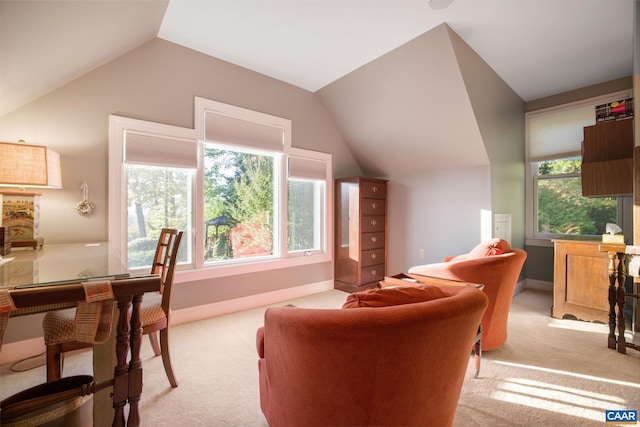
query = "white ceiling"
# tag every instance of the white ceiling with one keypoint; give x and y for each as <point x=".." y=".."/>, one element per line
<point x="539" y="47"/>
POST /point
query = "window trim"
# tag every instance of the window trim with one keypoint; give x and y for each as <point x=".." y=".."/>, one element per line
<point x="532" y="236"/>
<point x="198" y="270"/>
<point x="117" y="218"/>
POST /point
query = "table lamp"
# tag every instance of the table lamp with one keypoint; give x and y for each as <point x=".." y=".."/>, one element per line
<point x="22" y="166"/>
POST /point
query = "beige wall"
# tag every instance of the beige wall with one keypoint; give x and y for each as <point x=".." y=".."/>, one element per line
<point x="603" y="88"/>
<point x="409" y="110"/>
<point x="433" y="118"/>
<point x="438" y="211"/>
<point x="499" y="112"/>
<point x="158" y="82"/>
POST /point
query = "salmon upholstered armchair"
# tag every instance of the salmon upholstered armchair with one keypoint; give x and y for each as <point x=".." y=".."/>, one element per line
<point x="389" y="357"/>
<point x="494" y="264"/>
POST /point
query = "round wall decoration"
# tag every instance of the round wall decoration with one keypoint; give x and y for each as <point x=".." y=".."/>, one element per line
<point x="85" y="207"/>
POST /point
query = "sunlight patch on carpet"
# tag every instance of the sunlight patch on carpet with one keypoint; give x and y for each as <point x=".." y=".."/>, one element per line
<point x="556" y="398"/>
<point x="576" y="325"/>
<point x="566" y="404"/>
<point x="571" y="374"/>
<point x="558" y="393"/>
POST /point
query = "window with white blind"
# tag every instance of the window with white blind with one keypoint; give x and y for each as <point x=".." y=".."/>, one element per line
<point x="555" y="206"/>
<point x="306" y="213"/>
<point x="246" y="198"/>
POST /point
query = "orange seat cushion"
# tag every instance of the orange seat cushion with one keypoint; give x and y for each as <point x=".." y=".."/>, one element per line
<point x="393" y="296"/>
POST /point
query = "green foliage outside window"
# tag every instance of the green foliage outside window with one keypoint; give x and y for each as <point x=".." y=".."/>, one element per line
<point x="239" y="187"/>
<point x="157" y="198"/>
<point x="561" y="207"/>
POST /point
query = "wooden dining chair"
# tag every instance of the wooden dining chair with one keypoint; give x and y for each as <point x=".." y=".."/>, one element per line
<point x="59" y="326"/>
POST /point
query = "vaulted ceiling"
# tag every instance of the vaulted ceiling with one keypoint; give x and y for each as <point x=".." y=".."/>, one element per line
<point x="538" y="47"/>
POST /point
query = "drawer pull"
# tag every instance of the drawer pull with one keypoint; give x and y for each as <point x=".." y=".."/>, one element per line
<point x="374" y="256"/>
<point x="374" y="239"/>
<point x="374" y="272"/>
<point x="374" y="222"/>
<point x="374" y="205"/>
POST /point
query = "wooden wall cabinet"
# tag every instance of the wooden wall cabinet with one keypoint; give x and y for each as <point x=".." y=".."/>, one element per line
<point x="607" y="159"/>
<point x="361" y="233"/>
<point x="580" y="281"/>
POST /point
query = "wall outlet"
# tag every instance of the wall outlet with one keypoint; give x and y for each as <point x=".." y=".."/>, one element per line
<point x="421" y="254"/>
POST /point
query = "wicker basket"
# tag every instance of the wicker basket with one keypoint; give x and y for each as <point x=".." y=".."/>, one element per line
<point x="63" y="402"/>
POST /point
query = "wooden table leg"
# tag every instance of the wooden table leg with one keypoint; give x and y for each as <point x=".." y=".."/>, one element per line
<point x="121" y="372"/>
<point x="620" y="299"/>
<point x="135" y="365"/>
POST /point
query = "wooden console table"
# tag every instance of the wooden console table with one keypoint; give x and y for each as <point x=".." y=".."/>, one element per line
<point x="616" y="270"/>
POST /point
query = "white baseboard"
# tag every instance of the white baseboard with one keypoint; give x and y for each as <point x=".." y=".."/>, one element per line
<point x="206" y="311"/>
<point x="539" y="284"/>
<point x="19" y="350"/>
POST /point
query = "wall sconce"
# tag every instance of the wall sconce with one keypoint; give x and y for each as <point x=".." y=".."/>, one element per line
<point x="22" y="166"/>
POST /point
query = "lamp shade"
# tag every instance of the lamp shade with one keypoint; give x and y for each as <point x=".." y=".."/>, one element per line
<point x="23" y="165"/>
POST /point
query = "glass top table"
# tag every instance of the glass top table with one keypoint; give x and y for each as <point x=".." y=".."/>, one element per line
<point x="51" y="277"/>
<point x="57" y="263"/>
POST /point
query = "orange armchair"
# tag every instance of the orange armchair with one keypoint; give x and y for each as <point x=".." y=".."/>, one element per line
<point x="376" y="365"/>
<point x="497" y="266"/>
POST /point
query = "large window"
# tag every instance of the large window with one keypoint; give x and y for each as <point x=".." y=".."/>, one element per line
<point x="555" y="206"/>
<point x="244" y="196"/>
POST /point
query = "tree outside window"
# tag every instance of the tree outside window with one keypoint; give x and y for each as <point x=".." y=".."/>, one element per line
<point x="561" y="207"/>
<point x="239" y="187"/>
<point x="158" y="198"/>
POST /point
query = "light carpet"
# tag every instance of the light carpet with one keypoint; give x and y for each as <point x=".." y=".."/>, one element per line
<point x="550" y="372"/>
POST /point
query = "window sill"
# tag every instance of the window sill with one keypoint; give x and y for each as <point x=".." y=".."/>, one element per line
<point x="546" y="243"/>
<point x="213" y="271"/>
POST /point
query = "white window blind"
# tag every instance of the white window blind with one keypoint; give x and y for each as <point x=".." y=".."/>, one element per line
<point x="558" y="132"/>
<point x="307" y="168"/>
<point x="233" y="130"/>
<point x="158" y="150"/>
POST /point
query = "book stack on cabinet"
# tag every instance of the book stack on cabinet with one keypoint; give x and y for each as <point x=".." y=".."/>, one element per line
<point x="361" y="233"/>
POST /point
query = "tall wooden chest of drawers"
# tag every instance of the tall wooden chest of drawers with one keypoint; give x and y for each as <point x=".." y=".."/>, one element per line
<point x="361" y="233"/>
